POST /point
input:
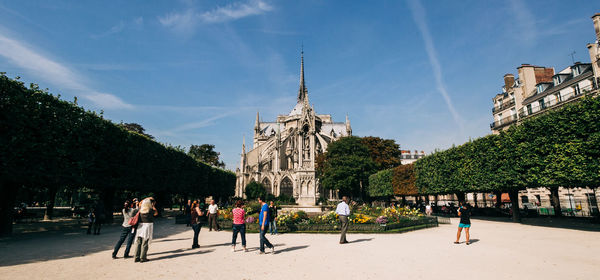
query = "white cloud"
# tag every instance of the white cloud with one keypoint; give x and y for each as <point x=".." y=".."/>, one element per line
<point x="186" y="21"/>
<point x="106" y="100"/>
<point x="235" y="11"/>
<point x="420" y="19"/>
<point x="136" y="23"/>
<point x="23" y="56"/>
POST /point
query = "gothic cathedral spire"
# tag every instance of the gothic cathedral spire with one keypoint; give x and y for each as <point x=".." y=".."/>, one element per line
<point x="302" y="91"/>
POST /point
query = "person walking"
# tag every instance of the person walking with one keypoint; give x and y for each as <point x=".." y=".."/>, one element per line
<point x="272" y="217"/>
<point x="213" y="214"/>
<point x="239" y="225"/>
<point x="343" y="211"/>
<point x="91" y="220"/>
<point x="263" y="219"/>
<point x="126" y="231"/>
<point x="464" y="212"/>
<point x="428" y="210"/>
<point x="195" y="213"/>
<point x="145" y="229"/>
<point x="188" y="211"/>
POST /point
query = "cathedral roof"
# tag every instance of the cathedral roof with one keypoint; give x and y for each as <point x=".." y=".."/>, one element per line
<point x="297" y="110"/>
<point x="338" y="128"/>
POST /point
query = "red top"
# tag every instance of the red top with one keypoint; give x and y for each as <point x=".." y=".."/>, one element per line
<point x="238" y="216"/>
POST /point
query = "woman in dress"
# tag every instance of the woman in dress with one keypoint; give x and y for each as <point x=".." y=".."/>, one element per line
<point x="145" y="229"/>
<point x="239" y="225"/>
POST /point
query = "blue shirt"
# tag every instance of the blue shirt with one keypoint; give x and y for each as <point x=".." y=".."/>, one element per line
<point x="264" y="210"/>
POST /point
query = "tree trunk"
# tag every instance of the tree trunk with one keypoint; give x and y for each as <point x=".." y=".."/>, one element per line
<point x="436" y="198"/>
<point x="108" y="201"/>
<point x="7" y="204"/>
<point x="555" y="201"/>
<point x="48" y="214"/>
<point x="403" y="200"/>
<point x="460" y="196"/>
<point x="484" y="200"/>
<point x="498" y="199"/>
<point x="475" y="200"/>
<point x="514" y="201"/>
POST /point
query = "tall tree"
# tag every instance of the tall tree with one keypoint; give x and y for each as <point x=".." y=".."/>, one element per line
<point x="206" y="153"/>
<point x="384" y="152"/>
<point x="346" y="166"/>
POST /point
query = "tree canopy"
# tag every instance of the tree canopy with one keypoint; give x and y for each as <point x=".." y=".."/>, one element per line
<point x="346" y="166"/>
<point x="206" y="153"/>
<point x="384" y="152"/>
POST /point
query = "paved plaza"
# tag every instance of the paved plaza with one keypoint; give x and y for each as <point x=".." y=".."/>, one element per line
<point x="500" y="250"/>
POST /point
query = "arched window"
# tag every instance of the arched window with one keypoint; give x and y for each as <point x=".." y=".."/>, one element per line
<point x="267" y="183"/>
<point x="286" y="187"/>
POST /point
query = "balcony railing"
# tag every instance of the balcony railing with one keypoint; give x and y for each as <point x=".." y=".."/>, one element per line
<point x="536" y="107"/>
<point x="503" y="105"/>
<point x="504" y="122"/>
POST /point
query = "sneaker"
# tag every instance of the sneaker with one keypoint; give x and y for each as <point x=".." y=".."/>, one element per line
<point x="245" y="250"/>
<point x="114" y="257"/>
<point x="232" y="248"/>
<point x="261" y="253"/>
<point x="137" y="260"/>
<point x="273" y="249"/>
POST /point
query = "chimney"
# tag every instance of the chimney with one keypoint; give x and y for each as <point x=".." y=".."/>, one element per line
<point x="596" y="19"/>
<point x="509" y="81"/>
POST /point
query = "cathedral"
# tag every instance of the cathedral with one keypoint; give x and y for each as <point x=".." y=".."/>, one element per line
<point x="283" y="152"/>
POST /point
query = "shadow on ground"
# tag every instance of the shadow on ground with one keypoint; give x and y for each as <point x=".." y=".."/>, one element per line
<point x="360" y="240"/>
<point x="574" y="223"/>
<point x="289" y="249"/>
<point x="69" y="243"/>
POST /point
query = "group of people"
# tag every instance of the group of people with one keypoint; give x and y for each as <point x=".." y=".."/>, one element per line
<point x="138" y="224"/>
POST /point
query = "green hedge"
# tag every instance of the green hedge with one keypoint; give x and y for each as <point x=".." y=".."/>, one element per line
<point x="47" y="143"/>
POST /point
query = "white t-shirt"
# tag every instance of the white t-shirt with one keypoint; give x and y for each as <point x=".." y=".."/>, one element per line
<point x="213" y="208"/>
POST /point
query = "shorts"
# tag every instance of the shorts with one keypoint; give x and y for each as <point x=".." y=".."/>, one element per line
<point x="461" y="225"/>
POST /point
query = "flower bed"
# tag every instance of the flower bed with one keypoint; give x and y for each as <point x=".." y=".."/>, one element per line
<point x="363" y="219"/>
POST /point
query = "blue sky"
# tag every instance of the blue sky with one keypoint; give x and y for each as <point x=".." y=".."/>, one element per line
<point x="194" y="72"/>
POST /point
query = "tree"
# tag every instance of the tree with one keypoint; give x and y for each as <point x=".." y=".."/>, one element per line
<point x="346" y="166"/>
<point x="380" y="184"/>
<point x="137" y="128"/>
<point x="404" y="181"/>
<point x="254" y="190"/>
<point x="206" y="153"/>
<point x="384" y="152"/>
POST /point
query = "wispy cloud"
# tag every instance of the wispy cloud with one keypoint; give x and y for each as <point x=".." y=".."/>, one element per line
<point x="525" y="22"/>
<point x="21" y="55"/>
<point x="136" y="23"/>
<point x="420" y="19"/>
<point x="186" y="21"/>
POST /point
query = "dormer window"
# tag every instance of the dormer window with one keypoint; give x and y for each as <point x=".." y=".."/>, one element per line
<point x="540" y="88"/>
<point x="576" y="71"/>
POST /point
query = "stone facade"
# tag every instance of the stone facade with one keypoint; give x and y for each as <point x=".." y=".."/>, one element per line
<point x="283" y="153"/>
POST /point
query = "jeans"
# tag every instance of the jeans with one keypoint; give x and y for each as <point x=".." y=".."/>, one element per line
<point x="141" y="248"/>
<point x="344" y="222"/>
<point x="127" y="231"/>
<point x="263" y="239"/>
<point x="273" y="226"/>
<point x="212" y="222"/>
<point x="242" y="230"/>
<point x="196" y="227"/>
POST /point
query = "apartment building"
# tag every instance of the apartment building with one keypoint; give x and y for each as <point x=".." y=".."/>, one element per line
<point x="408" y="157"/>
<point x="537" y="89"/>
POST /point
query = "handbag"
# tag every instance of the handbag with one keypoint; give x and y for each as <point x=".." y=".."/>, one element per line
<point x="134" y="221"/>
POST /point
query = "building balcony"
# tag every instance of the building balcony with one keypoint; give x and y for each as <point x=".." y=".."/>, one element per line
<point x="535" y="108"/>
<point x="503" y="122"/>
<point x="503" y="105"/>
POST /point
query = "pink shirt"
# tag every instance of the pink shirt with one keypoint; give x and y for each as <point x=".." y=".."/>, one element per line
<point x="238" y="216"/>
